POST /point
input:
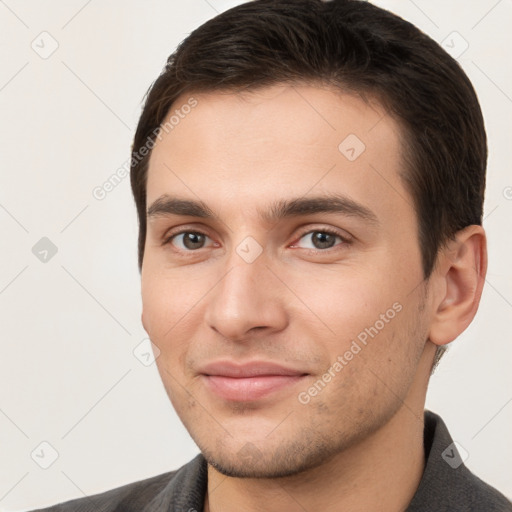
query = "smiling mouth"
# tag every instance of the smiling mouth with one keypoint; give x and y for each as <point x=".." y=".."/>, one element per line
<point x="248" y="382"/>
<point x="246" y="389"/>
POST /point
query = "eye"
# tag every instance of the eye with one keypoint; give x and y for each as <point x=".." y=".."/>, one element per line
<point x="188" y="240"/>
<point x="320" y="239"/>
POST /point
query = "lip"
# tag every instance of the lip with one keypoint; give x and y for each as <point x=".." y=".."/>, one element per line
<point x="249" y="381"/>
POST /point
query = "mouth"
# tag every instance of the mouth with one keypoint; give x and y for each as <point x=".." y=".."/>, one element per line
<point x="250" y="381"/>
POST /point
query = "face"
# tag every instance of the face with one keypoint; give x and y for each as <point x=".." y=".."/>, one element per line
<point x="282" y="278"/>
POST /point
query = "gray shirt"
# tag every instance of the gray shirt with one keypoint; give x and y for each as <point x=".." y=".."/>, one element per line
<point x="446" y="485"/>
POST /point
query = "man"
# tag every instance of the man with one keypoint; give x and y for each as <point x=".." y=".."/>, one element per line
<point x="309" y="180"/>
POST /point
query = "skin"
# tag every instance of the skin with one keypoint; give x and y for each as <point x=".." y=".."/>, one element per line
<point x="358" y="444"/>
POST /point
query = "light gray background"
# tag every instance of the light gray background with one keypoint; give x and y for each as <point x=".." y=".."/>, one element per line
<point x="69" y="326"/>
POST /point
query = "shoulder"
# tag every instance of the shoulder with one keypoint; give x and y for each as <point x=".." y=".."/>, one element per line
<point x="447" y="484"/>
<point x="140" y="492"/>
<point x="155" y="493"/>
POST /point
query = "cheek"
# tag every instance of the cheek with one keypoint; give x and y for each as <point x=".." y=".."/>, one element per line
<point x="173" y="308"/>
<point x="368" y="320"/>
<point x="379" y="359"/>
<point x="346" y="301"/>
<point x="156" y="305"/>
<point x="167" y="300"/>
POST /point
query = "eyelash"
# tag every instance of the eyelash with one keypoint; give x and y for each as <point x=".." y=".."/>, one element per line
<point x="344" y="239"/>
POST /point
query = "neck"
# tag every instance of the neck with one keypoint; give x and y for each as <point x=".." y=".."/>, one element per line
<point x="381" y="473"/>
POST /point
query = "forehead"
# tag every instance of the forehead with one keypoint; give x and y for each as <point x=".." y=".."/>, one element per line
<point x="276" y="141"/>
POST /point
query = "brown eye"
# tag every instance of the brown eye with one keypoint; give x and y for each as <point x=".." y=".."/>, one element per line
<point x="320" y="240"/>
<point x="193" y="240"/>
<point x="188" y="240"/>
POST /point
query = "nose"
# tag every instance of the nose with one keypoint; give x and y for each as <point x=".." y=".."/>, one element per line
<point x="248" y="299"/>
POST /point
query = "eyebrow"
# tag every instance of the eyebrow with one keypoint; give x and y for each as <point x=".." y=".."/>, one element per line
<point x="167" y="205"/>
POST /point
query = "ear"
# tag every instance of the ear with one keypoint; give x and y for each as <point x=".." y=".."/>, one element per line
<point x="458" y="278"/>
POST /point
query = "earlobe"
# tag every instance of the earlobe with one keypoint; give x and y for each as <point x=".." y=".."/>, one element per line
<point x="461" y="271"/>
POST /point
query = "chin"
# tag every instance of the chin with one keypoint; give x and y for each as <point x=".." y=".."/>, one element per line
<point x="287" y="459"/>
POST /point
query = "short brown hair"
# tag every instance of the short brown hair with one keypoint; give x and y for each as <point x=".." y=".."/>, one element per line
<point x="355" y="46"/>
